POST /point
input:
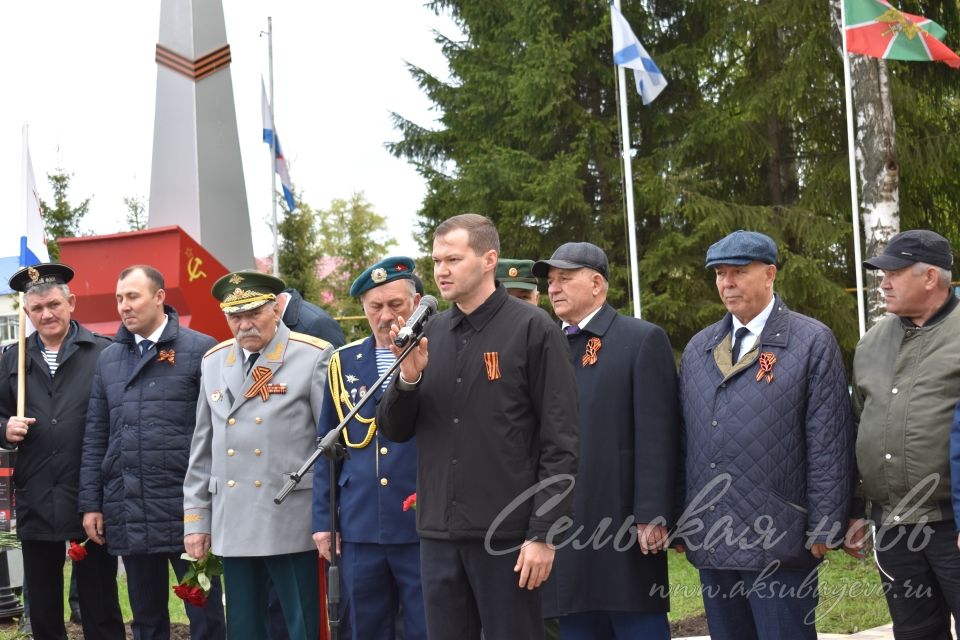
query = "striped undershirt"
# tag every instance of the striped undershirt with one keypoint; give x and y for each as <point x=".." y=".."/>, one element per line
<point x="51" y="359"/>
<point x="385" y="359"/>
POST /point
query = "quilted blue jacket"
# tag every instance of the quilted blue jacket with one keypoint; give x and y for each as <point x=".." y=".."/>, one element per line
<point x="140" y="423"/>
<point x="768" y="460"/>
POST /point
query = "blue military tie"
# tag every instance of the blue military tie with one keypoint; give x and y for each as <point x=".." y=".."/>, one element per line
<point x="742" y="333"/>
<point x="571" y="330"/>
<point x="251" y="359"/>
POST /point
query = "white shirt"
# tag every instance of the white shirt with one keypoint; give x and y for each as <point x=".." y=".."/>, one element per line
<point x="755" y="326"/>
<point x="155" y="336"/>
<point x="583" y="323"/>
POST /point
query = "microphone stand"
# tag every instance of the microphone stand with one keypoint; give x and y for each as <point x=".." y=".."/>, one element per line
<point x="330" y="446"/>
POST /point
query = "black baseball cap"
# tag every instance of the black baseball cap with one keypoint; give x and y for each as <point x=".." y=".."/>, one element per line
<point x="910" y="247"/>
<point x="574" y="255"/>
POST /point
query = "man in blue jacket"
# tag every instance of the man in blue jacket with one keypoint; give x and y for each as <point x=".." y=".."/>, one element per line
<point x="768" y="441"/>
<point x="140" y="425"/>
<point x="380" y="547"/>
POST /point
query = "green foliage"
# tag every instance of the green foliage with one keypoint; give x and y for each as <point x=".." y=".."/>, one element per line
<point x="299" y="250"/>
<point x="749" y="133"/>
<point x="61" y="220"/>
<point x="136" y="213"/>
<point x="352" y="236"/>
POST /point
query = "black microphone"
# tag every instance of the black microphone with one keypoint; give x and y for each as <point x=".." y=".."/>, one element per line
<point x="414" y="326"/>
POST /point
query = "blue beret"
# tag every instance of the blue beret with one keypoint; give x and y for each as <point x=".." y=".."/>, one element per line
<point x="388" y="270"/>
<point x="742" y="247"/>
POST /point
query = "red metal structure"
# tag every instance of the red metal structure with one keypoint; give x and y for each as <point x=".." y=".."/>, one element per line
<point x="188" y="269"/>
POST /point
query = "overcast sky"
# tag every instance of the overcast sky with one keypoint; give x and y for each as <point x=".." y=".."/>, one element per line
<point x="82" y="76"/>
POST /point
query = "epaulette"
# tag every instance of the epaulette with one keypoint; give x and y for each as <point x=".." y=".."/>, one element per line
<point x="319" y="343"/>
<point x="215" y="348"/>
<point x="355" y="343"/>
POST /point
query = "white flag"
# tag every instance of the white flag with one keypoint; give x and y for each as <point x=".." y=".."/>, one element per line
<point x="628" y="52"/>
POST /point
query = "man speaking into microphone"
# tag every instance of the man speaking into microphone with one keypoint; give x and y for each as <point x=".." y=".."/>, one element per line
<point x="495" y="416"/>
<point x="380" y="551"/>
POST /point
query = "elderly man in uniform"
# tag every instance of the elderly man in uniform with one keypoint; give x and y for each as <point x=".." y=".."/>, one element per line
<point x="629" y="435"/>
<point x="380" y="550"/>
<point x="768" y="436"/>
<point x="517" y="278"/>
<point x="259" y="405"/>
<point x="143" y="408"/>
<point x="60" y="360"/>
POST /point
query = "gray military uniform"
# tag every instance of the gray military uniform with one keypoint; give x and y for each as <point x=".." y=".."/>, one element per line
<point x="253" y="430"/>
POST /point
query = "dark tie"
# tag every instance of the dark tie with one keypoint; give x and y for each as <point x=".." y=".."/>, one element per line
<point x="145" y="346"/>
<point x="742" y="333"/>
<point x="251" y="359"/>
<point x="571" y="330"/>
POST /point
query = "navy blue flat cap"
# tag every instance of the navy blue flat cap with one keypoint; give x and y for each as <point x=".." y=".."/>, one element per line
<point x="742" y="247"/>
<point x="574" y="255"/>
<point x="910" y="247"/>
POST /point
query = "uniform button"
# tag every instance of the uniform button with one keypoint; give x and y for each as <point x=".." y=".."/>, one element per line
<point x="896" y="518"/>
<point x="894" y="390"/>
<point x="454" y="461"/>
<point x="258" y="420"/>
<point x="384" y="482"/>
<point x="888" y="456"/>
<point x="257" y="452"/>
<point x="456" y="421"/>
<point x="53" y="421"/>
<point x="257" y="484"/>
<point x="713" y="465"/>
<point x="231" y="452"/>
<point x="459" y="380"/>
<point x="383" y="451"/>
<point x="714" y="423"/>
<point x="232" y="421"/>
<point x="711" y="508"/>
<point x="231" y="483"/>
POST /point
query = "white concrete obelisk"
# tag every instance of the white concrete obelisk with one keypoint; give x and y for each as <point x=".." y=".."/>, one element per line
<point x="197" y="174"/>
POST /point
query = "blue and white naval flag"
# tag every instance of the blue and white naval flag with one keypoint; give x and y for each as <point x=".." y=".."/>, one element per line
<point x="24" y="246"/>
<point x="269" y="135"/>
<point x="628" y="52"/>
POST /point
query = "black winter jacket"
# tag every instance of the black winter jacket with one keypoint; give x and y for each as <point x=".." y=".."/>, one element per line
<point x="47" y="467"/>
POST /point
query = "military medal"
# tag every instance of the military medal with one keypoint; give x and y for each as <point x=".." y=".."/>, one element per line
<point x="363" y="391"/>
<point x="353" y="394"/>
<point x="215" y="396"/>
<point x="767" y="360"/>
<point x="590" y="354"/>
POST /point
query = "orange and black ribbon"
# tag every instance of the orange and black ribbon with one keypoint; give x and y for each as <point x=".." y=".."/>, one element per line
<point x="767" y="360"/>
<point x="492" y="360"/>
<point x="167" y="355"/>
<point x="590" y="355"/>
<point x="261" y="386"/>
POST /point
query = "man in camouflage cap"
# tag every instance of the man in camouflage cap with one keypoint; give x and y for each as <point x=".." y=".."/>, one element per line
<point x="259" y="405"/>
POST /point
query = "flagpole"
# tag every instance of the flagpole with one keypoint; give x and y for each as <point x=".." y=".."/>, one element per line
<point x="851" y="160"/>
<point x="628" y="185"/>
<point x="273" y="154"/>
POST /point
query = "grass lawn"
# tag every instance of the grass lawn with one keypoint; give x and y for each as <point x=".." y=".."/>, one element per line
<point x="850" y="596"/>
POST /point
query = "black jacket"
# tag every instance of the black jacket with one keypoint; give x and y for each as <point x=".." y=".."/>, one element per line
<point x="305" y="317"/>
<point x="48" y="460"/>
<point x="495" y="414"/>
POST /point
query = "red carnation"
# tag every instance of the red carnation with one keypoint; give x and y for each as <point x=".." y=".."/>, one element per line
<point x="78" y="552"/>
<point x="410" y="502"/>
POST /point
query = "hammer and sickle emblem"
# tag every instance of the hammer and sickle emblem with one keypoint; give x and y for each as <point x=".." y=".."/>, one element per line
<point x="193" y="269"/>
